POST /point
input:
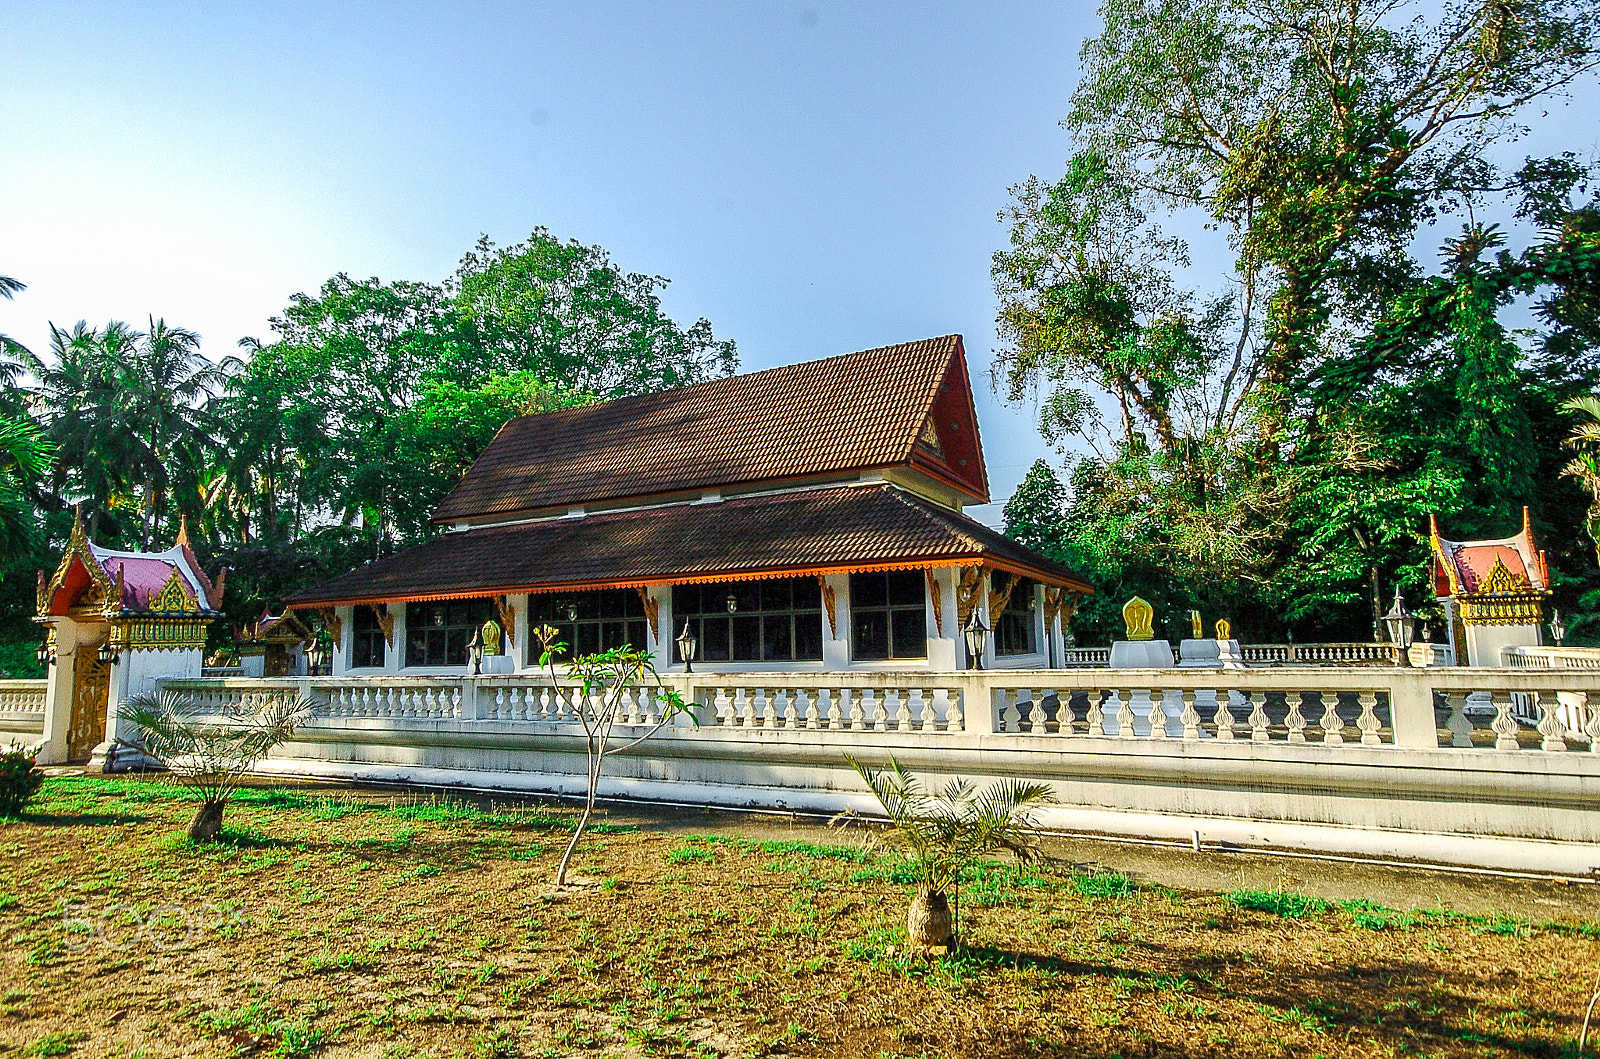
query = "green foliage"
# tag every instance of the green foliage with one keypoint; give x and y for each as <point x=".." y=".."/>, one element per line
<point x="943" y="832"/>
<point x="20" y="778"/>
<point x="20" y="661"/>
<point x="1278" y="902"/>
<point x="1258" y="453"/>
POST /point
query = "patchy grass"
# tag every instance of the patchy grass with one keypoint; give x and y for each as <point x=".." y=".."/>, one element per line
<point x="359" y="923"/>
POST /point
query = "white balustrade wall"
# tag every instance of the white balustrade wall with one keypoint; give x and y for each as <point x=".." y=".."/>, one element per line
<point x="1486" y="766"/>
<point x="21" y="711"/>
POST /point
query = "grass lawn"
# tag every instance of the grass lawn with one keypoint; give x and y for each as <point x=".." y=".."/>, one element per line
<point x="361" y="924"/>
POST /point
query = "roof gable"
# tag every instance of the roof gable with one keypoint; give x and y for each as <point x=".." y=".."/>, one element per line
<point x="122" y="582"/>
<point x="1501" y="566"/>
<point x="854" y="412"/>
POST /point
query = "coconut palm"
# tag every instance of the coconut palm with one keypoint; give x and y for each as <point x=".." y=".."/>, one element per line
<point x="10" y="370"/>
<point x="1585" y="463"/>
<point x="942" y="832"/>
<point x="26" y="457"/>
<point x="210" y="755"/>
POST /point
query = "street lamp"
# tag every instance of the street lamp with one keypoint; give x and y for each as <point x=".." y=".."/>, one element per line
<point x="106" y="655"/>
<point x="1401" y="623"/>
<point x="686" y="647"/>
<point x="474" y="654"/>
<point x="1558" y="628"/>
<point x="45" y="655"/>
<point x="976" y="632"/>
<point x="318" y="651"/>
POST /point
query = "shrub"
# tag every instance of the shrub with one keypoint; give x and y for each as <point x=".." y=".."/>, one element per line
<point x="20" y="778"/>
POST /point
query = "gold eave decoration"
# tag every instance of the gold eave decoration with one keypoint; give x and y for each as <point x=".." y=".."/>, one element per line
<point x="1502" y="582"/>
<point x="159" y="634"/>
<point x="1524" y="608"/>
<point x="175" y="596"/>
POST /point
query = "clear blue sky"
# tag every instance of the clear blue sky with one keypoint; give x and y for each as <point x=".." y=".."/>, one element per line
<point x="814" y="178"/>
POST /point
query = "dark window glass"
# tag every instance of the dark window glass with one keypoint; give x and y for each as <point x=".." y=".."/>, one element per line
<point x="589" y="622"/>
<point x="366" y="641"/>
<point x="437" y="634"/>
<point x="1014" y="633"/>
<point x="888" y="616"/>
<point x="778" y="620"/>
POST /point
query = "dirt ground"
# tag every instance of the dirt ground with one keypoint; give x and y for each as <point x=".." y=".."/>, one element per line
<point x="339" y="921"/>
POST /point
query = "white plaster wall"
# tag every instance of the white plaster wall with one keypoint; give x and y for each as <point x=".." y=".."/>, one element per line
<point x="58" y="693"/>
<point x="836" y="642"/>
<point x="137" y="672"/>
<point x="1484" y="641"/>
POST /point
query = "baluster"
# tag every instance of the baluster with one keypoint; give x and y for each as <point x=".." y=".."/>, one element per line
<point x="1190" y="716"/>
<point x="850" y="705"/>
<point x="499" y="708"/>
<point x="1459" y="724"/>
<point x="872" y="710"/>
<point x="1258" y="717"/>
<point x="1158" y="713"/>
<point x="1591" y="726"/>
<point x="1125" y="714"/>
<point x="925" y="716"/>
<point x="766" y="714"/>
<point x="655" y="708"/>
<point x="1295" y="721"/>
<point x="953" y="719"/>
<point x="788" y="708"/>
<point x="813" y="708"/>
<point x="1505" y="726"/>
<point x="1223" y="718"/>
<point x="1368" y="721"/>
<point x="1097" y="717"/>
<point x="1332" y="723"/>
<point x="902" y="709"/>
<point x="1551" y="727"/>
<point x="746" y="706"/>
<point x="455" y="703"/>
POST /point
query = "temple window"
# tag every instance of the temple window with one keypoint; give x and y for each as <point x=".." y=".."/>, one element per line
<point x="366" y="641"/>
<point x="589" y="622"/>
<point x="437" y="634"/>
<point x="1015" y="633"/>
<point x="888" y="618"/>
<point x="776" y="620"/>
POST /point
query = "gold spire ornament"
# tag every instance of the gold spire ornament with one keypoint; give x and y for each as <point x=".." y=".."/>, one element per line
<point x="1139" y="616"/>
<point x="1224" y="629"/>
<point x="491" y="637"/>
<point x="1197" y="625"/>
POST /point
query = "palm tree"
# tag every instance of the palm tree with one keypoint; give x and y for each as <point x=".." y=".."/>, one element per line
<point x="210" y="755"/>
<point x="944" y="831"/>
<point x="1585" y="463"/>
<point x="10" y="370"/>
<point x="26" y="457"/>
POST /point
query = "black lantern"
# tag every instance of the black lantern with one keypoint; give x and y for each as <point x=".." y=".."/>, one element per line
<point x="44" y="654"/>
<point x="1401" y="623"/>
<point x="1558" y="628"/>
<point x="733" y="603"/>
<point x="687" y="644"/>
<point x="570" y="611"/>
<point x="475" y="654"/>
<point x="106" y="655"/>
<point x="976" y="631"/>
<point x="438" y="616"/>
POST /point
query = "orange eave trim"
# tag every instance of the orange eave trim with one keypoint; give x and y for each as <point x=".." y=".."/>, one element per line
<point x="711" y="578"/>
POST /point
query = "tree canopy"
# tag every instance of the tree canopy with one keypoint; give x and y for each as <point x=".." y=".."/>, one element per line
<point x="1260" y="447"/>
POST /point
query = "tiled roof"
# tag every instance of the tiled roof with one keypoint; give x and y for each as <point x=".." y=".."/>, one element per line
<point x="853" y="412"/>
<point x="849" y="527"/>
<point x="1463" y="567"/>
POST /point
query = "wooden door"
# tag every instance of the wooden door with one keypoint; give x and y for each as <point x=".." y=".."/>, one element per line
<point x="91" y="688"/>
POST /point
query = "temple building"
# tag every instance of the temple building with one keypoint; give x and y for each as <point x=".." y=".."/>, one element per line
<point x="118" y="622"/>
<point x="807" y="517"/>
<point x="1492" y="592"/>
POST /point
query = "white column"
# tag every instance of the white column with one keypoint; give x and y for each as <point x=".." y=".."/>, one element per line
<point x="394" y="657"/>
<point x="521" y="637"/>
<point x="661" y="639"/>
<point x="58" y="693"/>
<point x="944" y="630"/>
<point x="341" y="646"/>
<point x="836" y="640"/>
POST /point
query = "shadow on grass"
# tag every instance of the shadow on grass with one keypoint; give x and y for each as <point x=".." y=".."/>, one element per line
<point x="49" y="819"/>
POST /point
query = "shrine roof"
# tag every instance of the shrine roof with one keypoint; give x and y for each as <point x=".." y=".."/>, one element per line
<point x="833" y="530"/>
<point x="908" y="404"/>
<point x="168" y="582"/>
<point x="1470" y="567"/>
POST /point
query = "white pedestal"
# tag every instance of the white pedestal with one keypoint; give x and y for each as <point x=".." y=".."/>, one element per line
<point x="1200" y="654"/>
<point x="1141" y="654"/>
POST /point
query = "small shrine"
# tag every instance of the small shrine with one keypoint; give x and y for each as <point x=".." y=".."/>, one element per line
<point x="1492" y="592"/>
<point x="273" y="646"/>
<point x="118" y="622"/>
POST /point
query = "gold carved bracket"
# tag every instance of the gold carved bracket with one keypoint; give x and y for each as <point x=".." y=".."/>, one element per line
<point x="508" y="618"/>
<point x="332" y="622"/>
<point x="967" y="593"/>
<point x="652" y="610"/>
<point x="385" y="619"/>
<point x="828" y="601"/>
<point x="998" y="601"/>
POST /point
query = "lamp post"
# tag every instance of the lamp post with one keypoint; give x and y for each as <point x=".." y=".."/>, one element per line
<point x="474" y="654"/>
<point x="686" y="647"/>
<point x="1401" y="625"/>
<point x="976" y="631"/>
<point x="318" y="652"/>
<point x="1558" y="628"/>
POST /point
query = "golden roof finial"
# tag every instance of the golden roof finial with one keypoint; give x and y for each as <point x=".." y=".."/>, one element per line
<point x="1224" y="629"/>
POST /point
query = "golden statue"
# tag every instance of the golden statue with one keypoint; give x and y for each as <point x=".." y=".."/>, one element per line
<point x="1196" y="624"/>
<point x="1140" y="618"/>
<point x="490" y="634"/>
<point x="1224" y="630"/>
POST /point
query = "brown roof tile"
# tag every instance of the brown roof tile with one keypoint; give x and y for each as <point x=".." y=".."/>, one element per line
<point x="835" y="528"/>
<point x="845" y="413"/>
